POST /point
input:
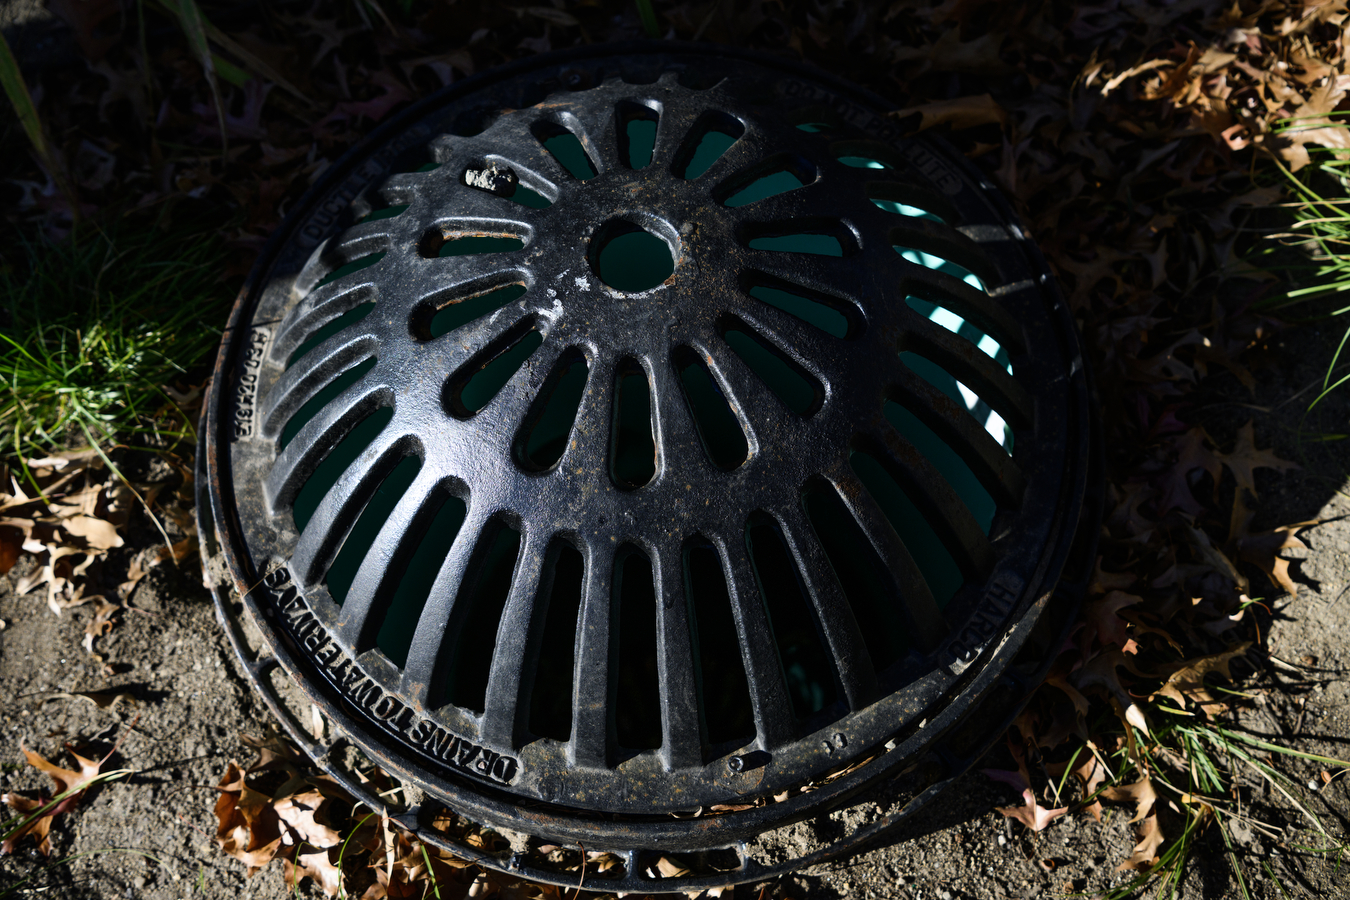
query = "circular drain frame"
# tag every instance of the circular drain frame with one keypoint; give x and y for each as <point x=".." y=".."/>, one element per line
<point x="950" y="680"/>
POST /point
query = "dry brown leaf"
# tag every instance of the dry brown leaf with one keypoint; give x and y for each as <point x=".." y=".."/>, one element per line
<point x="1032" y="814"/>
<point x="960" y="113"/>
<point x="1145" y="853"/>
<point x="1187" y="682"/>
<point x="1245" y="459"/>
<point x="63" y="780"/>
<point x="1141" y="793"/>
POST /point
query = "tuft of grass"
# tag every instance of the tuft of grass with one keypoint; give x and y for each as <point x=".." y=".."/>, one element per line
<point x="94" y="328"/>
<point x="1197" y="767"/>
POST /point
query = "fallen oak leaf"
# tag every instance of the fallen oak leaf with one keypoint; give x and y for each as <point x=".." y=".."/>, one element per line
<point x="1145" y="853"/>
<point x="1187" y="681"/>
<point x="1031" y="814"/>
<point x="1245" y="459"/>
<point x="959" y="113"/>
<point x="70" y="787"/>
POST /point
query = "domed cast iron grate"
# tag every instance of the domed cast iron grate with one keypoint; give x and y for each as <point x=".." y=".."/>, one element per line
<point x="649" y="449"/>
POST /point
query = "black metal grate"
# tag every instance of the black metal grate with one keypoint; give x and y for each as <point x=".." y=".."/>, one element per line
<point x="639" y="449"/>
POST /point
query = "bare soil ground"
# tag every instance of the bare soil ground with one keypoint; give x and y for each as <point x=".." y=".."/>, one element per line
<point x="151" y="835"/>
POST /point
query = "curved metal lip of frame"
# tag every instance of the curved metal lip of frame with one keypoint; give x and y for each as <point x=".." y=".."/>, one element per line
<point x="1026" y="599"/>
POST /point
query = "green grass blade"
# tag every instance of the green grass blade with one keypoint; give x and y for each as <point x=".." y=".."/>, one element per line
<point x="194" y="27"/>
<point x="17" y="91"/>
<point x="648" y="16"/>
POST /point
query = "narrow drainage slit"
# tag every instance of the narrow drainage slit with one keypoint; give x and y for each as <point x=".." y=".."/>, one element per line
<point x="436" y="244"/>
<point x="811" y="310"/>
<point x="960" y="327"/>
<point x="551" y="698"/>
<point x="566" y="148"/>
<point x="944" y="381"/>
<point x="478" y="381"/>
<point x="483" y="593"/>
<point x="868" y="587"/>
<point x="629" y="258"/>
<point x="935" y="562"/>
<point x="946" y="460"/>
<point x="796" y="633"/>
<point x="435" y="530"/>
<point x="724" y="691"/>
<point x="938" y="264"/>
<point x="350" y="317"/>
<point x="355" y="265"/>
<point x="814" y="236"/>
<point x="637" y="133"/>
<point x="542" y="439"/>
<point x="632" y="444"/>
<point x="776" y="175"/>
<point x="638" y="710"/>
<point x="387" y="212"/>
<point x="433" y="319"/>
<point x="799" y="392"/>
<point x="718" y="428"/>
<point x="526" y="196"/>
<point x="710" y="137"/>
<point x="324" y="397"/>
<point x="338" y="460"/>
<point x="381" y="505"/>
<point x="903" y="209"/>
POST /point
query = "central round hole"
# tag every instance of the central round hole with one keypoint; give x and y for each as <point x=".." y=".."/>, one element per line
<point x="629" y="258"/>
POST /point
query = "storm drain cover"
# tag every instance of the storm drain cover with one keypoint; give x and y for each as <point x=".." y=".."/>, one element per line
<point x="649" y="449"/>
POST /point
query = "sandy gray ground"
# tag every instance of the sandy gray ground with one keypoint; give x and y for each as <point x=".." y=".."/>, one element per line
<point x="193" y="703"/>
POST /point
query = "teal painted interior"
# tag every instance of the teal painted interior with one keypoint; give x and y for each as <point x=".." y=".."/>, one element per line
<point x="526" y="197"/>
<point x="806" y="665"/>
<point x="472" y="245"/>
<point x="567" y="150"/>
<point x="641" y="142"/>
<point x="813" y="312"/>
<point x="637" y="716"/>
<point x="415" y="581"/>
<point x="710" y="149"/>
<point x="724" y="691"/>
<point x="483" y="597"/>
<point x="487" y="381"/>
<point x="355" y="265"/>
<point x="770" y="185"/>
<point x="338" y="460"/>
<point x="633" y="457"/>
<point x="718" y="429"/>
<point x="786" y="382"/>
<point x="324" y="397"/>
<point x="551" y="699"/>
<point x="548" y="436"/>
<point x="348" y="560"/>
<point x="460" y="313"/>
<point x="861" y="575"/>
<point x="818" y="244"/>
<point x="635" y="261"/>
<point x="935" y="563"/>
<point x="350" y="317"/>
<point x="952" y="467"/>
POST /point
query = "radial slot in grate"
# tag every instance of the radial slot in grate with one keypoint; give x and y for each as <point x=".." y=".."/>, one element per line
<point x="630" y="447"/>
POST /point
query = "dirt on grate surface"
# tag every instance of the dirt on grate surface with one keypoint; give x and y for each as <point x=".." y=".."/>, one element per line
<point x="187" y="703"/>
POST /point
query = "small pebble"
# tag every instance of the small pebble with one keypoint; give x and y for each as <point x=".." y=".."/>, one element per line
<point x="1308" y="659"/>
<point x="1002" y="841"/>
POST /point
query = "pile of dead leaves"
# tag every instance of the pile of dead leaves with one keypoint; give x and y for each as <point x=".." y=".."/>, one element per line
<point x="280" y="807"/>
<point x="68" y="510"/>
